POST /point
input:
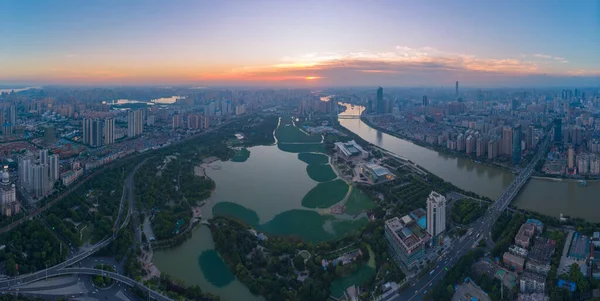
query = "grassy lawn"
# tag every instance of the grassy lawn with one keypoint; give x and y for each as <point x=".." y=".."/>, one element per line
<point x="310" y="158"/>
<point x="325" y="194"/>
<point x="86" y="234"/>
<point x="358" y="202"/>
<point x="292" y="134"/>
<point x="320" y="173"/>
<point x="241" y="156"/>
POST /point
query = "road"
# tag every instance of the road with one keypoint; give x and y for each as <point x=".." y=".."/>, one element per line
<point x="95" y="272"/>
<point x="482" y="227"/>
<point x="59" y="269"/>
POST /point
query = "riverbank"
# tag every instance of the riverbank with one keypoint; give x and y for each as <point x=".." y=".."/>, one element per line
<point x="435" y="148"/>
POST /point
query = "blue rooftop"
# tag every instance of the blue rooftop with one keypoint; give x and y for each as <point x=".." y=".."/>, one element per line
<point x="570" y="285"/>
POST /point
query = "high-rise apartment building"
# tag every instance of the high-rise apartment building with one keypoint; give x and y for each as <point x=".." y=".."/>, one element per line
<point x="39" y="180"/>
<point x="54" y="168"/>
<point x="425" y="101"/>
<point x="43" y="155"/>
<point x="507" y="139"/>
<point x="456" y="93"/>
<point x="92" y="132"/>
<point x="135" y="125"/>
<point x="109" y="131"/>
<point x="530" y="137"/>
<point x="176" y="121"/>
<point x="492" y="150"/>
<point x="381" y="107"/>
<point x="436" y="213"/>
<point x="571" y="157"/>
<point x="96" y="133"/>
<point x="516" y="145"/>
<point x="24" y="168"/>
<point x="557" y="130"/>
<point x="12" y="114"/>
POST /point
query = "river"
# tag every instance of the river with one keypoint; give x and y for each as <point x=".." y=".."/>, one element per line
<point x="544" y="196"/>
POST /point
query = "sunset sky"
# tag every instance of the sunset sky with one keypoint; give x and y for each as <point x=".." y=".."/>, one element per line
<point x="287" y="43"/>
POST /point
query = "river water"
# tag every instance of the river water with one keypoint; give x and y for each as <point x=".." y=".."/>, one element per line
<point x="545" y="196"/>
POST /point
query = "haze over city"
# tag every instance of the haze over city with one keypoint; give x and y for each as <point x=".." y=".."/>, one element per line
<point x="300" y="43"/>
<point x="261" y="150"/>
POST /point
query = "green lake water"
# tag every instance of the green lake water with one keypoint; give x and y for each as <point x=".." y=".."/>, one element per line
<point x="267" y="191"/>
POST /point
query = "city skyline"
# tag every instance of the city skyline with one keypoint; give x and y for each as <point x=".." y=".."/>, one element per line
<point x="304" y="44"/>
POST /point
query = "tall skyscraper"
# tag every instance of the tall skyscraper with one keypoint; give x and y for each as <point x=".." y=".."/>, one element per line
<point x="380" y="104"/>
<point x="516" y="145"/>
<point x="436" y="213"/>
<point x="456" y="89"/>
<point x="109" y="131"/>
<point x="39" y="183"/>
<point x="176" y="121"/>
<point x="8" y="195"/>
<point x="571" y="157"/>
<point x="96" y="134"/>
<point x="507" y="139"/>
<point x="12" y="114"/>
<point x="557" y="130"/>
<point x="530" y="137"/>
<point x="135" y="124"/>
<point x="43" y="154"/>
<point x="87" y="130"/>
<point x="54" y="168"/>
<point x="425" y="101"/>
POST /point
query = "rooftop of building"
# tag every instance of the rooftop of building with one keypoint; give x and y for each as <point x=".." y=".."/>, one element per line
<point x="514" y="258"/>
<point x="535" y="222"/>
<point x="469" y="291"/>
<point x="533" y="276"/>
<point x="350" y="148"/>
<point x="435" y="197"/>
<point x="407" y="230"/>
<point x="542" y="251"/>
<point x="377" y="169"/>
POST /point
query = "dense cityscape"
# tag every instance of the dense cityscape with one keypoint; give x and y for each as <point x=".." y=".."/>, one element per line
<point x="300" y="150"/>
<point x="59" y="149"/>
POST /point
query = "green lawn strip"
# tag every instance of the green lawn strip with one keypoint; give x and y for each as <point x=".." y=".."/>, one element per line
<point x="326" y="194"/>
<point x="310" y="158"/>
<point x="358" y="202"/>
<point x="320" y="172"/>
<point x="292" y="134"/>
<point x="301" y="148"/>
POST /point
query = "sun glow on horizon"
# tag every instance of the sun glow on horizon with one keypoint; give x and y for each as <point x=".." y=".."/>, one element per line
<point x="312" y="77"/>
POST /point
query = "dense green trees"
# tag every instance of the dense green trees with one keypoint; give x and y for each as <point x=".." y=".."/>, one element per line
<point x="466" y="211"/>
<point x="30" y="247"/>
<point x="504" y="231"/>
